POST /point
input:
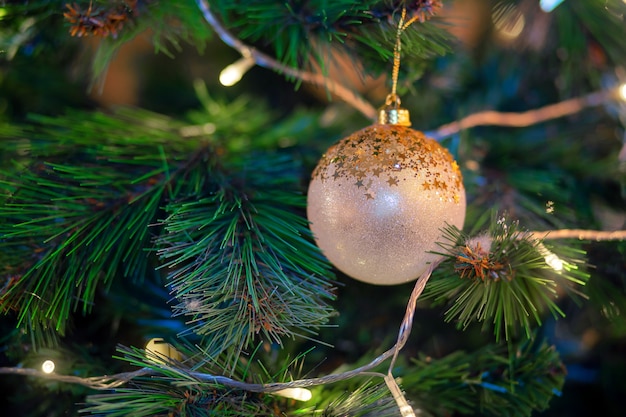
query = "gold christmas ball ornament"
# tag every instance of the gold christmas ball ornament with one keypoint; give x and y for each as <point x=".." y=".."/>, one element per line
<point x="379" y="199"/>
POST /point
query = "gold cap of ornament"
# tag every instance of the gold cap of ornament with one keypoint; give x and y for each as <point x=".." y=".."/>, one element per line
<point x="392" y="114"/>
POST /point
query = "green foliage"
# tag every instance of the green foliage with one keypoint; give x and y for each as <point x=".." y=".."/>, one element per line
<point x="81" y="206"/>
<point x="15" y="35"/>
<point x="238" y="252"/>
<point x="548" y="176"/>
<point x="20" y="22"/>
<point x="68" y="227"/>
<point x="169" y="23"/>
<point x="156" y="396"/>
<point x="91" y="201"/>
<point x="607" y="287"/>
<point x="300" y="31"/>
<point x="187" y="389"/>
<point x="492" y="381"/>
<point x="296" y="31"/>
<point x="503" y="278"/>
<point x="365" y="399"/>
<point x="589" y="23"/>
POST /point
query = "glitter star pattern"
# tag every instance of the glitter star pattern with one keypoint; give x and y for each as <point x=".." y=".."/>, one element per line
<point x="378" y="201"/>
<point x="383" y="150"/>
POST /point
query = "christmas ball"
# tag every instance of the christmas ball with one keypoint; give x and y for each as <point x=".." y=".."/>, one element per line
<point x="379" y="199"/>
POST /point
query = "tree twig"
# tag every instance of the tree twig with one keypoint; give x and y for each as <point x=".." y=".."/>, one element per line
<point x="107" y="382"/>
<point x="263" y="60"/>
<point x="527" y="118"/>
<point x="484" y="118"/>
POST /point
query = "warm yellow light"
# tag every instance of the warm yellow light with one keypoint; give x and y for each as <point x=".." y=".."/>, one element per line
<point x="554" y="262"/>
<point x="197" y="130"/>
<point x="622" y="88"/>
<point x="233" y="73"/>
<point x="47" y="366"/>
<point x="407" y="411"/>
<point x="300" y="394"/>
<point x="161" y="350"/>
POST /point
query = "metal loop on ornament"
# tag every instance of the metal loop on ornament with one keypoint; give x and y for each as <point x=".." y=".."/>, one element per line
<point x="392" y="114"/>
<point x="393" y="100"/>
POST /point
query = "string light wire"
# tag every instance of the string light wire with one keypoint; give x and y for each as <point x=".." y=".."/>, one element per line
<point x="107" y="382"/>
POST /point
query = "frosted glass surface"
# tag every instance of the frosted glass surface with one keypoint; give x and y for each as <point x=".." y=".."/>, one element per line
<point x="378" y="199"/>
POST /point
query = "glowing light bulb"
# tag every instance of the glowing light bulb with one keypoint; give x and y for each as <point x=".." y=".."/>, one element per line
<point x="551" y="258"/>
<point x="160" y="351"/>
<point x="407" y="411"/>
<point x="622" y="91"/>
<point x="549" y="5"/>
<point x="233" y="73"/>
<point x="47" y="366"/>
<point x="554" y="262"/>
<point x="300" y="394"/>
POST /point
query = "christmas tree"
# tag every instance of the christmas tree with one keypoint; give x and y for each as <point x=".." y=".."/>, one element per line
<point x="312" y="208"/>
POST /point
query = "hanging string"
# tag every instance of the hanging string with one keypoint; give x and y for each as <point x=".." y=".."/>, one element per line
<point x="402" y="26"/>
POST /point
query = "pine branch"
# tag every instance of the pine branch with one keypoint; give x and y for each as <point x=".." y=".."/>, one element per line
<point x="227" y="192"/>
<point x="184" y="388"/>
<point x="486" y="381"/>
<point x="503" y="278"/>
<point x="366" y="399"/>
<point x="299" y="32"/>
<point x="492" y="381"/>
<point x="169" y="22"/>
<point x="166" y="369"/>
<point x="74" y="227"/>
<point x="604" y="22"/>
<point x="266" y="61"/>
<point x="76" y="213"/>
<point x="242" y="261"/>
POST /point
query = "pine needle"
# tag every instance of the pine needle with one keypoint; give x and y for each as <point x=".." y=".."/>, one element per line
<point x="242" y="263"/>
<point x="503" y="279"/>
